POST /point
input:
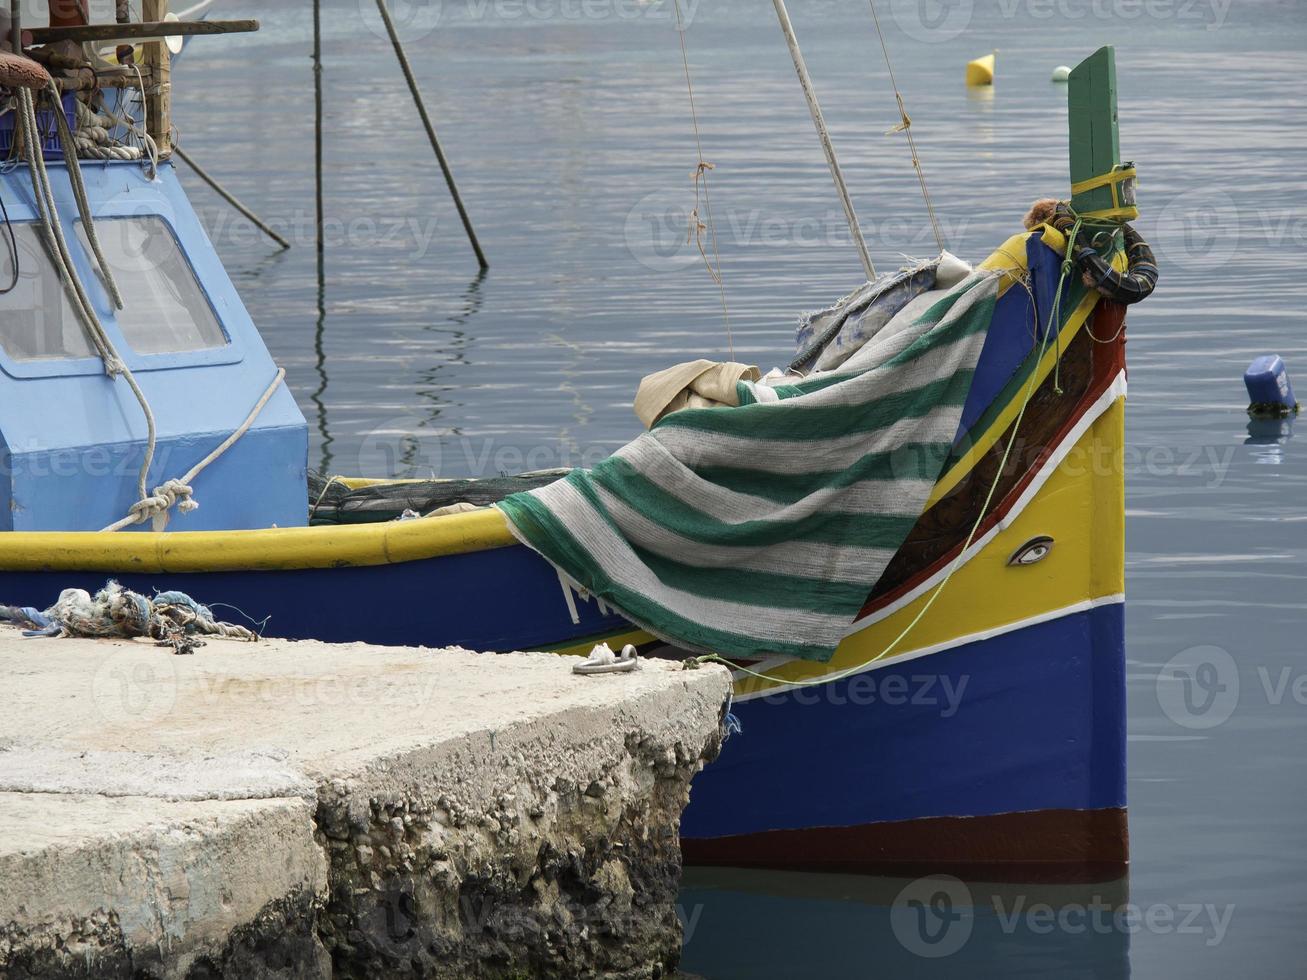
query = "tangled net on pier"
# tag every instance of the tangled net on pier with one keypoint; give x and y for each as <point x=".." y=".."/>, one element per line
<point x="171" y="618"/>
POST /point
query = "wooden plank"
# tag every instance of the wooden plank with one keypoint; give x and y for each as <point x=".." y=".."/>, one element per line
<point x="158" y="94"/>
<point x="1095" y="143"/>
<point x="149" y="29"/>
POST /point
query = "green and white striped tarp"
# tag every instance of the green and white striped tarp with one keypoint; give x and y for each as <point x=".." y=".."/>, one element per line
<point x="762" y="528"/>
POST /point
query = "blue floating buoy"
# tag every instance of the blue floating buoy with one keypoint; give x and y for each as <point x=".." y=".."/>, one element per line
<point x="1270" y="395"/>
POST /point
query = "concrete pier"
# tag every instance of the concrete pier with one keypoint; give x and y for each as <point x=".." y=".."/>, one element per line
<point x="305" y="810"/>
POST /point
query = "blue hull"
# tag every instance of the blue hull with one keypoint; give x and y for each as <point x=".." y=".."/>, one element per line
<point x="501" y="599"/>
<point x="1030" y="720"/>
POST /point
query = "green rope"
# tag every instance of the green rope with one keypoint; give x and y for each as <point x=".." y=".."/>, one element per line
<point x="1055" y="314"/>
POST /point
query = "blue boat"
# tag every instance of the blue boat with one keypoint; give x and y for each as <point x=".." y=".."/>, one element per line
<point x="971" y="716"/>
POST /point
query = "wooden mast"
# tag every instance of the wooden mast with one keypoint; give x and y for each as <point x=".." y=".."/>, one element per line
<point x="158" y="90"/>
<point x="827" y="147"/>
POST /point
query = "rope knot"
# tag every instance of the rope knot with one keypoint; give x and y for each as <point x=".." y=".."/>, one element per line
<point x="156" y="506"/>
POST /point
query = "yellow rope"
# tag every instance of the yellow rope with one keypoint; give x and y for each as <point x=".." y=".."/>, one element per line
<point x="698" y="227"/>
<point x="905" y="127"/>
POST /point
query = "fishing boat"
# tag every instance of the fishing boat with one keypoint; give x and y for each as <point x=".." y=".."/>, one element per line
<point x="953" y="699"/>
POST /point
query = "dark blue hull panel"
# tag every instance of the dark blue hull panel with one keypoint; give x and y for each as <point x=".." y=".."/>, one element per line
<point x="1030" y="720"/>
<point x="500" y="599"/>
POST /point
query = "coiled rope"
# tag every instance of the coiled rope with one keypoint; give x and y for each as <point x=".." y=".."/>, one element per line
<point x="93" y="138"/>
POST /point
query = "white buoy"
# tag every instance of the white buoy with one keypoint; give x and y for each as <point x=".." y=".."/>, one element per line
<point x="1061" y="73"/>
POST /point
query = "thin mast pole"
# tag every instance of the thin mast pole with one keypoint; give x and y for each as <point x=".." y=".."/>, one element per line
<point x="817" y="120"/>
<point x="431" y="132"/>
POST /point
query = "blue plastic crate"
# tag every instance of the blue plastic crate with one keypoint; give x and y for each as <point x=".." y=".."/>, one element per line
<point x="45" y="122"/>
<point x="1269" y="390"/>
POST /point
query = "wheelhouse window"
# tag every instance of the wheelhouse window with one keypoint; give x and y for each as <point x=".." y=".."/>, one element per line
<point x="164" y="309"/>
<point x="37" y="321"/>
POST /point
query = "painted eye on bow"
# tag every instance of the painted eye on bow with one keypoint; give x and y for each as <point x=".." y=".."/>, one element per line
<point x="1036" y="549"/>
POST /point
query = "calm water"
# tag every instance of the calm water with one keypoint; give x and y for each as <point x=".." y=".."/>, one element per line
<point x="568" y="127"/>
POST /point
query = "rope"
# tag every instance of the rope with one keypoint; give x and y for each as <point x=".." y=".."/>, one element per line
<point x="1055" y="311"/>
<point x="13" y="248"/>
<point x="150" y="146"/>
<point x="93" y="139"/>
<point x="178" y="491"/>
<point x="57" y="245"/>
<point x="1120" y="329"/>
<point x="171" y="618"/>
<point x="698" y="227"/>
<point x="79" y="192"/>
<point x="1028" y="393"/>
<point x="905" y="127"/>
<point x="318" y="503"/>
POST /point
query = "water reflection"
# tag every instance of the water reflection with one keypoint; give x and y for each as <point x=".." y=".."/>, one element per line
<point x="1270" y="435"/>
<point x="836" y="926"/>
<point x="319" y="395"/>
<point x="428" y="387"/>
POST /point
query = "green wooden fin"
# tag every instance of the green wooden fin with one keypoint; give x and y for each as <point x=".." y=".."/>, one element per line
<point x="1095" y="141"/>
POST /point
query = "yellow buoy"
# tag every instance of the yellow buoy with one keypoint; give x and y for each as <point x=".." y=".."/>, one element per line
<point x="981" y="71"/>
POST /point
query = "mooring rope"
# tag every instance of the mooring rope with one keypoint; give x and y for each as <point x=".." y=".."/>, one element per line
<point x="57" y="245"/>
<point x="156" y="506"/>
<point x="905" y="127"/>
<point x="697" y="227"/>
<point x="69" y="146"/>
<point x="93" y="137"/>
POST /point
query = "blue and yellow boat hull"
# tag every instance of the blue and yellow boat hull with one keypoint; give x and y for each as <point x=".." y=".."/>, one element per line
<point x="984" y="730"/>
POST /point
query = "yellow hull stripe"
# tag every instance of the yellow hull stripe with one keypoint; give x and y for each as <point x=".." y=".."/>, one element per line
<point x="265" y="549"/>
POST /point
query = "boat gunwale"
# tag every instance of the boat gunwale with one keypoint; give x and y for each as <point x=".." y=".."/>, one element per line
<point x="382" y="543"/>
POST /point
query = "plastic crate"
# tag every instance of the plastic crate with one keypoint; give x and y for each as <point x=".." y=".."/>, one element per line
<point x="45" y="122"/>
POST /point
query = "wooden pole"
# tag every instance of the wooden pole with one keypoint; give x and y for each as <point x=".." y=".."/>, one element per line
<point x="817" y="120"/>
<point x="431" y="132"/>
<point x="230" y="198"/>
<point x="143" y="30"/>
<point x="158" y="93"/>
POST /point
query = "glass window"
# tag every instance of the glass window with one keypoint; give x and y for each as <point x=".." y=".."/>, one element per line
<point x="37" y="321"/>
<point x="164" y="309"/>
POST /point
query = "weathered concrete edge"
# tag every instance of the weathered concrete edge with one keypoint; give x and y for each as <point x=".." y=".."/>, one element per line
<point x="136" y="896"/>
<point x="158" y="886"/>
